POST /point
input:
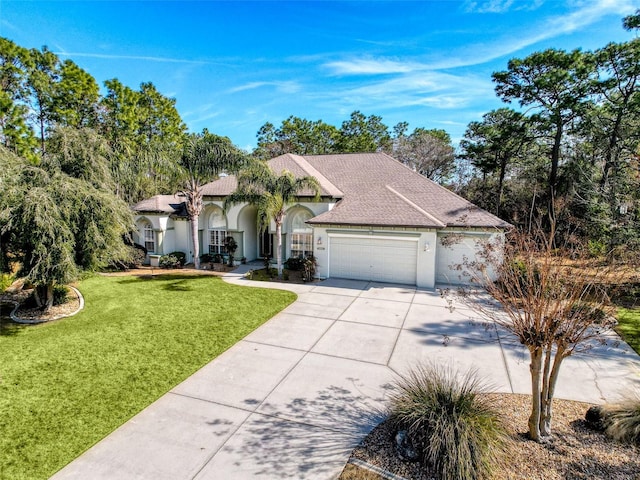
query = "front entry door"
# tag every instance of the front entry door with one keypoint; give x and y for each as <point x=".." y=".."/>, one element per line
<point x="266" y="245"/>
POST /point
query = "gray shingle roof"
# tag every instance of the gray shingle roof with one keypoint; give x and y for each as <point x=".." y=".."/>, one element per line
<point x="293" y="163"/>
<point x="370" y="189"/>
<point x="220" y="188"/>
<point x="160" y="204"/>
<point x="380" y="191"/>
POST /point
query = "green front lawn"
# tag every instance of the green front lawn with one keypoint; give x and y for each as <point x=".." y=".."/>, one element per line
<point x="629" y="326"/>
<point x="67" y="384"/>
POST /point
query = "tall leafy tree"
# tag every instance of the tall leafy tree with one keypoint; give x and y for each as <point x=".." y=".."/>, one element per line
<point x="271" y="193"/>
<point x="494" y="143"/>
<point x="76" y="97"/>
<point x="15" y="133"/>
<point x="81" y="154"/>
<point x="43" y="76"/>
<point x="296" y="135"/>
<point x="559" y="85"/>
<point x="614" y="125"/>
<point x="363" y="134"/>
<point x="58" y="223"/>
<point x="428" y="152"/>
<point x="205" y="156"/>
<point x="146" y="135"/>
<point x="158" y="117"/>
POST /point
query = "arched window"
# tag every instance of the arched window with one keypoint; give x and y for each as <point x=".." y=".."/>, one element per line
<point x="217" y="231"/>
<point x="301" y="234"/>
<point x="149" y="236"/>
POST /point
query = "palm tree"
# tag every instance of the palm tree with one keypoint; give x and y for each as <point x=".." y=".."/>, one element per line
<point x="205" y="156"/>
<point x="270" y="193"/>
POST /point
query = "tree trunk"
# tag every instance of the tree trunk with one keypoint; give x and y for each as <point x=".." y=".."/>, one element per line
<point x="536" y="372"/>
<point x="553" y="175"/>
<point x="547" y="403"/>
<point x="279" y="248"/>
<point x="503" y="171"/>
<point x="196" y="245"/>
<point x="194" y="208"/>
<point x="43" y="295"/>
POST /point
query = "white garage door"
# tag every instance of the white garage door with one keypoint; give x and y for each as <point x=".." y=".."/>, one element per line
<point x="451" y="257"/>
<point x="378" y="259"/>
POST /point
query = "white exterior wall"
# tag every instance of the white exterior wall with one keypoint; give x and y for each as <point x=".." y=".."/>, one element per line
<point x="426" y="250"/>
<point x="436" y="263"/>
<point x="455" y="248"/>
<point x="247" y="225"/>
<point x="182" y="238"/>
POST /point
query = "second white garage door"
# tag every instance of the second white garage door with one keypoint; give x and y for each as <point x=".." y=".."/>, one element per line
<point x="373" y="258"/>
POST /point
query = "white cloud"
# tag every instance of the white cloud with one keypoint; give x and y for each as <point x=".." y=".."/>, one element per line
<point x="4" y="24"/>
<point x="586" y="14"/>
<point x="203" y="112"/>
<point x="370" y="66"/>
<point x="489" y="6"/>
<point x="128" y="57"/>
<point x="500" y="6"/>
<point x="283" y="87"/>
<point x="426" y="88"/>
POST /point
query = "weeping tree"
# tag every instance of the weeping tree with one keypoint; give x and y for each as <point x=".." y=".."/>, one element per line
<point x="56" y="224"/>
<point x="554" y="307"/>
<point x="271" y="193"/>
<point x="204" y="158"/>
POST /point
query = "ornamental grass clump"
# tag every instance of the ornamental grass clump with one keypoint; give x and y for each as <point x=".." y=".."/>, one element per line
<point x="622" y="421"/>
<point x="448" y="421"/>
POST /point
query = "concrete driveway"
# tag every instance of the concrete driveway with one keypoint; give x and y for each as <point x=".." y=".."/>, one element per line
<point x="294" y="397"/>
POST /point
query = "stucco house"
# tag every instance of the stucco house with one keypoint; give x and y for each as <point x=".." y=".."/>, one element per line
<point x="376" y="220"/>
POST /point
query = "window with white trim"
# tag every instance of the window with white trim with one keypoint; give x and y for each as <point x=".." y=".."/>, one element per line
<point x="217" y="232"/>
<point x="149" y="236"/>
<point x="301" y="235"/>
<point x="216" y="241"/>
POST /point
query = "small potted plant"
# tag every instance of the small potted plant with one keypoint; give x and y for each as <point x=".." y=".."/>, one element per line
<point x="230" y="246"/>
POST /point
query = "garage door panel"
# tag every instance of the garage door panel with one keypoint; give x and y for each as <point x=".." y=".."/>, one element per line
<point x="381" y="260"/>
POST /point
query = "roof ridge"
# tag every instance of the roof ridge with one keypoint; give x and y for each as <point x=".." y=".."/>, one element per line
<point x="312" y="171"/>
<point x="419" y="209"/>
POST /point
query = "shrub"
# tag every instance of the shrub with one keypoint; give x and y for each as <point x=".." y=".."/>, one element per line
<point x="230" y="246"/>
<point x="60" y="294"/>
<point x="169" y="261"/>
<point x="137" y="256"/>
<point x="181" y="256"/>
<point x="454" y="429"/>
<point x="309" y="265"/>
<point x="622" y="421"/>
<point x="295" y="264"/>
<point x="206" y="258"/>
<point x="217" y="258"/>
<point x="6" y="279"/>
<point x="134" y="258"/>
<point x="596" y="248"/>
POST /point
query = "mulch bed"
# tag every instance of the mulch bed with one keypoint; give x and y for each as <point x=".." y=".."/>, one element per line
<point x="576" y="452"/>
<point x="19" y="295"/>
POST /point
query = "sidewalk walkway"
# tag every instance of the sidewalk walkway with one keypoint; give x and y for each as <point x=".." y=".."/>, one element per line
<point x="294" y="397"/>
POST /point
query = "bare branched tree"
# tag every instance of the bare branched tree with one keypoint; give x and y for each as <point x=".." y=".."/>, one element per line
<point x="553" y="303"/>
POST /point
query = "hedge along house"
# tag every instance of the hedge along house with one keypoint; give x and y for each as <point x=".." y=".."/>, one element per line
<point x="376" y="220"/>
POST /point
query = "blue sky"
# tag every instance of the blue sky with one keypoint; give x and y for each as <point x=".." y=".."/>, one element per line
<point x="232" y="66"/>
